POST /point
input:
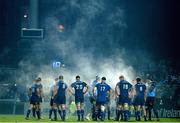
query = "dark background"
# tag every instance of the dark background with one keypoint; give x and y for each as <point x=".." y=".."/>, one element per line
<point x="153" y="26"/>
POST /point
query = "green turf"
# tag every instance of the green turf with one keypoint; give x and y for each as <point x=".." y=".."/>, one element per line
<point x="20" y="119"/>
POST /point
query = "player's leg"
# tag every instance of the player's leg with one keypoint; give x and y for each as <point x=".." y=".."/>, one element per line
<point x="40" y="107"/>
<point x="97" y="112"/>
<point x="102" y="111"/>
<point x="34" y="111"/>
<point x="29" y="111"/>
<point x="139" y="102"/>
<point x="38" y="111"/>
<point x="131" y="108"/>
<point x="82" y="111"/>
<point x="78" y="107"/>
<point x="144" y="112"/>
<point x="154" y="109"/>
<point x="119" y="113"/>
<point x="108" y="111"/>
<point x="63" y="111"/>
<point x="126" y="111"/>
<point x="149" y="107"/>
<point x="51" y="108"/>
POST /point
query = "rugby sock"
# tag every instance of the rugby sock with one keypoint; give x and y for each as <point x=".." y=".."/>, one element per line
<point x="121" y="114"/>
<point x="63" y="115"/>
<point x="82" y="114"/>
<point x="126" y="115"/>
<point x="109" y="114"/>
<point x="34" y="112"/>
<point x="145" y="118"/>
<point x="136" y="115"/>
<point x="139" y="115"/>
<point x="149" y="114"/>
<point x="79" y="114"/>
<point x="117" y="115"/>
<point x="55" y="114"/>
<point x="60" y="113"/>
<point x="28" y="113"/>
<point x="129" y="114"/>
<point x="50" y="113"/>
<point x="102" y="114"/>
<point x="38" y="114"/>
<point x="95" y="114"/>
<point x="156" y="113"/>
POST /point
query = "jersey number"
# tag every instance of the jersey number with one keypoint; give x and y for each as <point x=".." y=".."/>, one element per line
<point x="63" y="86"/>
<point x="125" y="86"/>
<point x="103" y="88"/>
<point x="79" y="87"/>
<point x="141" y="89"/>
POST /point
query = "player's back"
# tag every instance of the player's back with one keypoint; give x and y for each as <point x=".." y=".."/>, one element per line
<point x="124" y="87"/>
<point x="102" y="89"/>
<point x="34" y="90"/>
<point x="140" y="89"/>
<point x="62" y="86"/>
<point x="79" y="88"/>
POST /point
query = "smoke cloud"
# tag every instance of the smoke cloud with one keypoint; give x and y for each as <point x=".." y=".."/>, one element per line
<point x="88" y="45"/>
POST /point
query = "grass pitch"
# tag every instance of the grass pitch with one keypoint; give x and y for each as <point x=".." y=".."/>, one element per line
<point x="21" y="119"/>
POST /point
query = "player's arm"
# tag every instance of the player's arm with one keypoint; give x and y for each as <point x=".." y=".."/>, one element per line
<point x="110" y="93"/>
<point x="55" y="90"/>
<point x="95" y="92"/>
<point x="29" y="92"/>
<point x="41" y="92"/>
<point x="117" y="90"/>
<point x="131" y="92"/>
<point x="145" y="93"/>
<point x="71" y="90"/>
<point x="87" y="89"/>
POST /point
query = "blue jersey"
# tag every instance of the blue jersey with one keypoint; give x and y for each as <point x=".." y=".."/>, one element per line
<point x="35" y="89"/>
<point x="152" y="90"/>
<point x="102" y="92"/>
<point x="124" y="87"/>
<point x="61" y="89"/>
<point x="79" y="88"/>
<point x="140" y="89"/>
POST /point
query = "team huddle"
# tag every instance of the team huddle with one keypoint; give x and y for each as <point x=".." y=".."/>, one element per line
<point x="139" y="96"/>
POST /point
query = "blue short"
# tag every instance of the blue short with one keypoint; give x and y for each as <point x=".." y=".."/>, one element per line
<point x="60" y="100"/>
<point x="79" y="100"/>
<point x="35" y="100"/>
<point x="123" y="100"/>
<point x="139" y="101"/>
<point x="101" y="102"/>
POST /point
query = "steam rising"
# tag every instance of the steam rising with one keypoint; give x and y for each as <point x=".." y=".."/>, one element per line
<point x="87" y="46"/>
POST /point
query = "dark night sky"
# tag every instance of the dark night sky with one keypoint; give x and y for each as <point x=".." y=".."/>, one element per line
<point x="153" y="25"/>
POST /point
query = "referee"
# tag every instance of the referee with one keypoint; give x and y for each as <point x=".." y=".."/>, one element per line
<point x="150" y="101"/>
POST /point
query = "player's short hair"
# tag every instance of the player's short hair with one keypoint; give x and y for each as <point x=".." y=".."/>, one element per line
<point x="77" y="77"/>
<point x="103" y="78"/>
<point x="61" y="77"/>
<point x="97" y="77"/>
<point x="121" y="77"/>
<point x="56" y="79"/>
<point x="38" y="79"/>
<point x="138" y="79"/>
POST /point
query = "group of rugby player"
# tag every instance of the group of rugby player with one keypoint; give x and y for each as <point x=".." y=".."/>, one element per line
<point x="100" y="95"/>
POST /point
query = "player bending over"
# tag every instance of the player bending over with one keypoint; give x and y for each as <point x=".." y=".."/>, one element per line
<point x="123" y="90"/>
<point x="101" y="92"/>
<point x="78" y="89"/>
